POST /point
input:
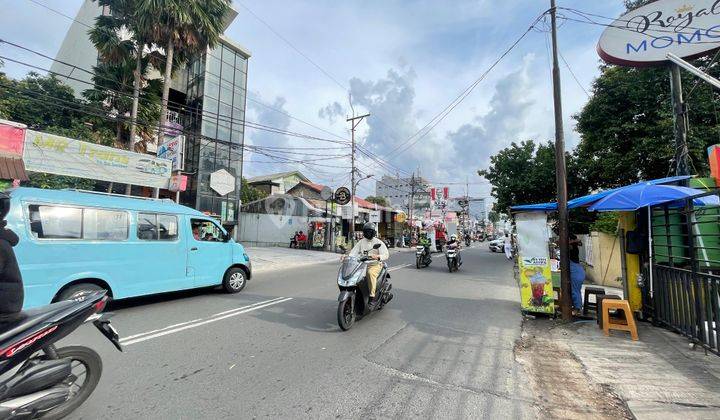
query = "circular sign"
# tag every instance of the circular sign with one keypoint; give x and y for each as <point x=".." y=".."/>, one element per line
<point x="401" y="217"/>
<point x="342" y="195"/>
<point x="645" y="36"/>
<point x="326" y="193"/>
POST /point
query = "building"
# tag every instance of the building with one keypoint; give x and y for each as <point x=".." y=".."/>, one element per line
<point x="207" y="98"/>
<point x="278" y="183"/>
<point x="399" y="190"/>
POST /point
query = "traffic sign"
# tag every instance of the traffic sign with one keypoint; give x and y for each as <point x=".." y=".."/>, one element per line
<point x="326" y="193"/>
<point x="342" y="195"/>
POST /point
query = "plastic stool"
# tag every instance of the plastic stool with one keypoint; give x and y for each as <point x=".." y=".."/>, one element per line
<point x="587" y="305"/>
<point x="628" y="324"/>
<point x="600" y="300"/>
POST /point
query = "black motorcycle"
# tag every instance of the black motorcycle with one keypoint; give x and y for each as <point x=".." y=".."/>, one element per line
<point x="422" y="256"/>
<point x="354" y="299"/>
<point x="451" y="255"/>
<point x="38" y="380"/>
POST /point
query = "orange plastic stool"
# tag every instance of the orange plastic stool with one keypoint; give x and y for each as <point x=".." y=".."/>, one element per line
<point x="628" y="324"/>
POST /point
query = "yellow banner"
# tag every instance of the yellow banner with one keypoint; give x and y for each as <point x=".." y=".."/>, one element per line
<point x="536" y="289"/>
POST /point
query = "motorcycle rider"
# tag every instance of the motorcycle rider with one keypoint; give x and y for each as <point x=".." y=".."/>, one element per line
<point x="454" y="241"/>
<point x="365" y="247"/>
<point x="11" y="285"/>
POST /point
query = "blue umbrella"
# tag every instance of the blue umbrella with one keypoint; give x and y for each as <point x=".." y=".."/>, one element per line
<point x="637" y="196"/>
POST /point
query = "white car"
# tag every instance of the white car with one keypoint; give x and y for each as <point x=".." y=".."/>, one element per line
<point x="497" y="245"/>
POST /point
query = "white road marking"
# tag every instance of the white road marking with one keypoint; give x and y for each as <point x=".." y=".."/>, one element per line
<point x="397" y="267"/>
<point x="138" y="338"/>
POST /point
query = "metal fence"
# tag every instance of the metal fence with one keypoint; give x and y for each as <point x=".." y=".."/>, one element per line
<point x="684" y="289"/>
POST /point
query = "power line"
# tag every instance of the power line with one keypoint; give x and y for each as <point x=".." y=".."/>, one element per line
<point x="59" y="13"/>
<point x="461" y="97"/>
<point x="573" y="75"/>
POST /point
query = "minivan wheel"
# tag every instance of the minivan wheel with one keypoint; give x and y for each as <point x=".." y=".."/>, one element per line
<point x="234" y="280"/>
<point x="71" y="292"/>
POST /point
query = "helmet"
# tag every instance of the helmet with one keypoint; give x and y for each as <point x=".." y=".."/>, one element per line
<point x="369" y="230"/>
<point x="453" y="237"/>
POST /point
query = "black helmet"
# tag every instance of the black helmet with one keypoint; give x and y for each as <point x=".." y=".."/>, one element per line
<point x="369" y="230"/>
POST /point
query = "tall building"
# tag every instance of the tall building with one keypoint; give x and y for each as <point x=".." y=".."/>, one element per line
<point x="399" y="190"/>
<point x="207" y="98"/>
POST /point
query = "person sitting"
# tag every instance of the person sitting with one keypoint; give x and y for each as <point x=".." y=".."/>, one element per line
<point x="424" y="241"/>
<point x="12" y="294"/>
<point x="454" y="243"/>
<point x="365" y="246"/>
<point x="196" y="232"/>
<point x="294" y="240"/>
<point x="302" y="240"/>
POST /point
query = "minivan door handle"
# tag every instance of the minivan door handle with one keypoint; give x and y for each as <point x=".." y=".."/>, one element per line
<point x="193" y="248"/>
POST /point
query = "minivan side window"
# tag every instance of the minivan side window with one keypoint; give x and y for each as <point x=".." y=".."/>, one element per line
<point x="58" y="222"/>
<point x="205" y="230"/>
<point x="157" y="227"/>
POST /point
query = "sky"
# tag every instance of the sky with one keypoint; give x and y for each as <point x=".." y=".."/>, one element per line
<point x="402" y="61"/>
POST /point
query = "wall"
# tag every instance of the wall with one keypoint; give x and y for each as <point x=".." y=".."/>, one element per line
<point x="270" y="229"/>
<point x="602" y="256"/>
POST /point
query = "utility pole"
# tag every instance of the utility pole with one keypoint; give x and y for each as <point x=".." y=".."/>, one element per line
<point x="561" y="178"/>
<point x="354" y="121"/>
<point x="680" y="119"/>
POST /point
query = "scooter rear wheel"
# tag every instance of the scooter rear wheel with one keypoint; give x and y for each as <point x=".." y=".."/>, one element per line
<point x="82" y="357"/>
<point x="345" y="314"/>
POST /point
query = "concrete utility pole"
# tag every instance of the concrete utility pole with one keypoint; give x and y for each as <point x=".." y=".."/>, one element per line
<point x="354" y="121"/>
<point x="680" y="118"/>
<point x="561" y="178"/>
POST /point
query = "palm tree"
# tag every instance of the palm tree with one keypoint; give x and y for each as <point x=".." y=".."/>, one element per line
<point x="120" y="40"/>
<point x="183" y="28"/>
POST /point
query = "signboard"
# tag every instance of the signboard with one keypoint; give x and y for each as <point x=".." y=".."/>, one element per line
<point x="12" y="137"/>
<point x="179" y="183"/>
<point x="346" y="212"/>
<point x="342" y="196"/>
<point x="172" y="149"/>
<point x="326" y="193"/>
<point x="536" y="289"/>
<point x="644" y="36"/>
<point x="222" y="182"/>
<point x="65" y="156"/>
<point x="374" y="217"/>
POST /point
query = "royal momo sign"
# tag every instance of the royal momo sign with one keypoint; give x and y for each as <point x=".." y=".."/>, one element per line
<point x="644" y="36"/>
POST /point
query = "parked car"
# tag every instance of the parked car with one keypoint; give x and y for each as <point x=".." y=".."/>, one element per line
<point x="74" y="241"/>
<point x="497" y="245"/>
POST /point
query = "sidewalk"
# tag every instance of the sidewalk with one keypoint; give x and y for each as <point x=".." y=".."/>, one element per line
<point x="278" y="258"/>
<point x="577" y="372"/>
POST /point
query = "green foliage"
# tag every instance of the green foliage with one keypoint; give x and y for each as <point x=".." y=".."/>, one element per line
<point x="248" y="194"/>
<point x="524" y="173"/>
<point x="380" y="201"/>
<point x="493" y="217"/>
<point x="634" y="4"/>
<point x="607" y="222"/>
<point x="626" y="128"/>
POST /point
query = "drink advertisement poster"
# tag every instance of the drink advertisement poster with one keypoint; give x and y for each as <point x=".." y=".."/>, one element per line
<point x="536" y="289"/>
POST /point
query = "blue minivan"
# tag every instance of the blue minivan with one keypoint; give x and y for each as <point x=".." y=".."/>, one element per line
<point x="75" y="241"/>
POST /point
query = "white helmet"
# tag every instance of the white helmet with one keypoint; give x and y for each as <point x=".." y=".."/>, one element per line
<point x="453" y="237"/>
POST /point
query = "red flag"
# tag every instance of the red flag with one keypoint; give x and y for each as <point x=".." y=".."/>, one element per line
<point x="446" y="192"/>
<point x="432" y="194"/>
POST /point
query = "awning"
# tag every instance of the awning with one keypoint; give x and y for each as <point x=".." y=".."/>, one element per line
<point x="636" y="197"/>
<point x="12" y="167"/>
<point x="587" y="200"/>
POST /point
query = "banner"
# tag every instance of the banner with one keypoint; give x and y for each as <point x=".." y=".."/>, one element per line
<point x="65" y="156"/>
<point x="536" y="289"/>
<point x="12" y="136"/>
<point x="172" y="149"/>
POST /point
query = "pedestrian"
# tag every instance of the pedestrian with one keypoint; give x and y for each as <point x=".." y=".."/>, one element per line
<point x="508" y="246"/>
<point x="577" y="272"/>
<point x="11" y="285"/>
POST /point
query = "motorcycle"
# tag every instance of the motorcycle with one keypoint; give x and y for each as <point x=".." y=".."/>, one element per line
<point x="422" y="256"/>
<point x="38" y="380"/>
<point x="451" y="254"/>
<point x="354" y="299"/>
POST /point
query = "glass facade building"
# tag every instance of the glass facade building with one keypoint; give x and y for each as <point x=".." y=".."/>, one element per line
<point x="215" y="115"/>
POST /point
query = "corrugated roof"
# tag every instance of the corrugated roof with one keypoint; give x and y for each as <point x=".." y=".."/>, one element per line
<point x="12" y="167"/>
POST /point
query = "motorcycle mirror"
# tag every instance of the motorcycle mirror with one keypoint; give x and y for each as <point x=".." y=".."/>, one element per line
<point x="376" y="246"/>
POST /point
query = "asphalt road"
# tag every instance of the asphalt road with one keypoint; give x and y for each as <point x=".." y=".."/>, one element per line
<point x="443" y="348"/>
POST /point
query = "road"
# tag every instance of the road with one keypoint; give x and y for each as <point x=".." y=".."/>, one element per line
<point x="442" y="348"/>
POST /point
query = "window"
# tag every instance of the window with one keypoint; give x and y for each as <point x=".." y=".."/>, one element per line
<point x="55" y="222"/>
<point x="205" y="230"/>
<point x="154" y="227"/>
<point x="105" y="225"/>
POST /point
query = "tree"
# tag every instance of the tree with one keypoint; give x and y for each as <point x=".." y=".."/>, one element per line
<point x="524" y="173"/>
<point x="380" y="201"/>
<point x="248" y="194"/>
<point x="634" y="4"/>
<point x="626" y="128"/>
<point x="183" y="28"/>
<point x="493" y="217"/>
<point x="122" y="42"/>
